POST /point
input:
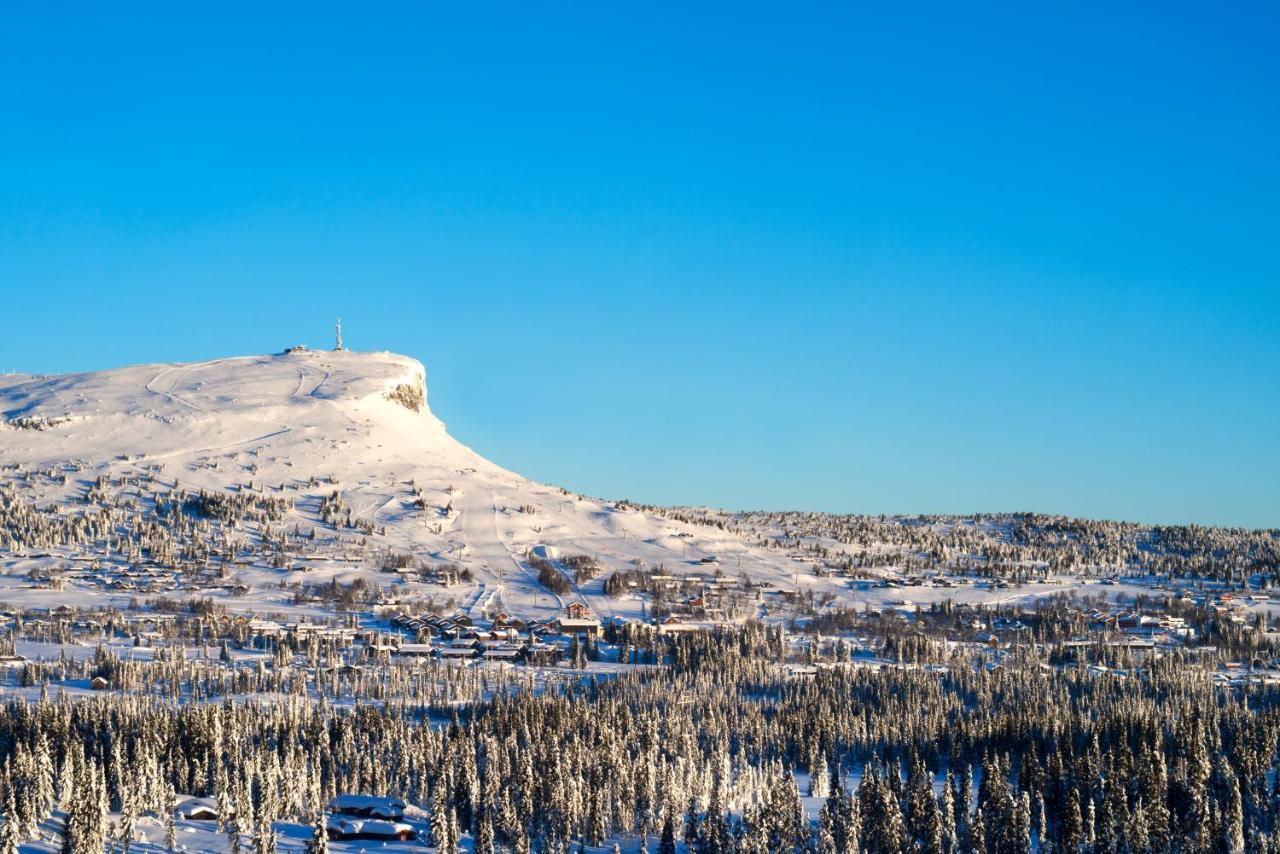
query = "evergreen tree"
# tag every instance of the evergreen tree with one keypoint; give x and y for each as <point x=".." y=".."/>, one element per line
<point x="128" y="812"/>
<point x="443" y="820"/>
<point x="1231" y="840"/>
<point x="1070" y="824"/>
<point x="978" y="834"/>
<point x="484" y="833"/>
<point x="882" y="826"/>
<point x="170" y="818"/>
<point x="820" y="780"/>
<point x="924" y="821"/>
<point x="667" y="845"/>
<point x="264" y="834"/>
<point x="9" y="830"/>
<point x="691" y="823"/>
<point x="319" y="841"/>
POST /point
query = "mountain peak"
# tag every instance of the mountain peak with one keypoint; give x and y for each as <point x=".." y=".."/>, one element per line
<point x="295" y="377"/>
<point x="339" y="442"/>
<point x="146" y="410"/>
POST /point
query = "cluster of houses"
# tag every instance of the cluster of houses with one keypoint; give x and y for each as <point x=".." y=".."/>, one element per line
<point x="936" y="580"/>
<point x="1139" y="633"/>
<point x="701" y="597"/>
<point x="540" y="642"/>
<point x="1143" y="625"/>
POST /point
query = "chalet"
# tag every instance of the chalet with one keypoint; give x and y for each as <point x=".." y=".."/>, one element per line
<point x="266" y="628"/>
<point x="99" y="683"/>
<point x="674" y="625"/>
<point x="368" y="806"/>
<point x="340" y="829"/>
<point x="578" y="620"/>
<point x="505" y="621"/>
<point x="502" y="652"/>
<point x="459" y="649"/>
<point x="201" y="809"/>
<point x="800" y="671"/>
<point x="415" y="650"/>
<point x="1129" y="621"/>
<point x="570" y="626"/>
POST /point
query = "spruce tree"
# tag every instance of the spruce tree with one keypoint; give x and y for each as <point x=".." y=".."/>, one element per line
<point x="667" y="845"/>
<point x="170" y="818"/>
<point x="977" y="834"/>
<point x="9" y="830"/>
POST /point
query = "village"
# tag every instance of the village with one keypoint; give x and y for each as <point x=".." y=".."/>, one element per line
<point x="1231" y="634"/>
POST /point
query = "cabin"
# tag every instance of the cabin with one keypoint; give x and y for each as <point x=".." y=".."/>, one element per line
<point x="415" y="649"/>
<point x="340" y="829"/>
<point x="570" y="626"/>
<point x="501" y="652"/>
<point x="506" y="621"/>
<point x="99" y="683"/>
<point x="459" y="649"/>
<point x="368" y="806"/>
<point x="200" y="809"/>
<point x="578" y="620"/>
<point x="674" y="625"/>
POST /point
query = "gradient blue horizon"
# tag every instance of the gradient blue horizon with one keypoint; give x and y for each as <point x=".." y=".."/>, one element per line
<point x="887" y="259"/>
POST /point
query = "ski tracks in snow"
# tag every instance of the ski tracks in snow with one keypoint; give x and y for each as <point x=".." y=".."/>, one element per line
<point x="480" y="532"/>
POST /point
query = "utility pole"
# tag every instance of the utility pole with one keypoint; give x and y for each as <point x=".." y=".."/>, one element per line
<point x="338" y="329"/>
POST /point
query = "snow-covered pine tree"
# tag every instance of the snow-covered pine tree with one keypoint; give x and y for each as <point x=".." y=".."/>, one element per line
<point x="9" y="830"/>
<point x="170" y="818"/>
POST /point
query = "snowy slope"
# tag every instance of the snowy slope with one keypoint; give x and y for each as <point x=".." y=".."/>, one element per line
<point x="302" y="425"/>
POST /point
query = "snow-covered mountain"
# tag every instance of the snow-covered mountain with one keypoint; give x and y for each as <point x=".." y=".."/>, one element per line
<point x="270" y="484"/>
<point x="348" y="440"/>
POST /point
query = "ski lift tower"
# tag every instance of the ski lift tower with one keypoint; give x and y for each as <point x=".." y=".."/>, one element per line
<point x="338" y="330"/>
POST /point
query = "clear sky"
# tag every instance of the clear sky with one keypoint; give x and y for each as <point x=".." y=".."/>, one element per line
<point x="849" y="257"/>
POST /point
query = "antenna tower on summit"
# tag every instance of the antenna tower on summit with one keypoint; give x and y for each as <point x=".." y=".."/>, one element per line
<point x="338" y="329"/>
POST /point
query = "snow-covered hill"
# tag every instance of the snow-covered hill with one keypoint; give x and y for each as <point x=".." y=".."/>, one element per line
<point x="272" y="484"/>
<point x="348" y="440"/>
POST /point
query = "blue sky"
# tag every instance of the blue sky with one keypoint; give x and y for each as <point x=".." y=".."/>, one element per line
<point x="858" y="258"/>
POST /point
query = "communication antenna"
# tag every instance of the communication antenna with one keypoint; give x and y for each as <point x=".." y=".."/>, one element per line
<point x="338" y="330"/>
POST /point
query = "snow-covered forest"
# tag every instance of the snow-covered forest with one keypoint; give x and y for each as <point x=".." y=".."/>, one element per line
<point x="718" y="751"/>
